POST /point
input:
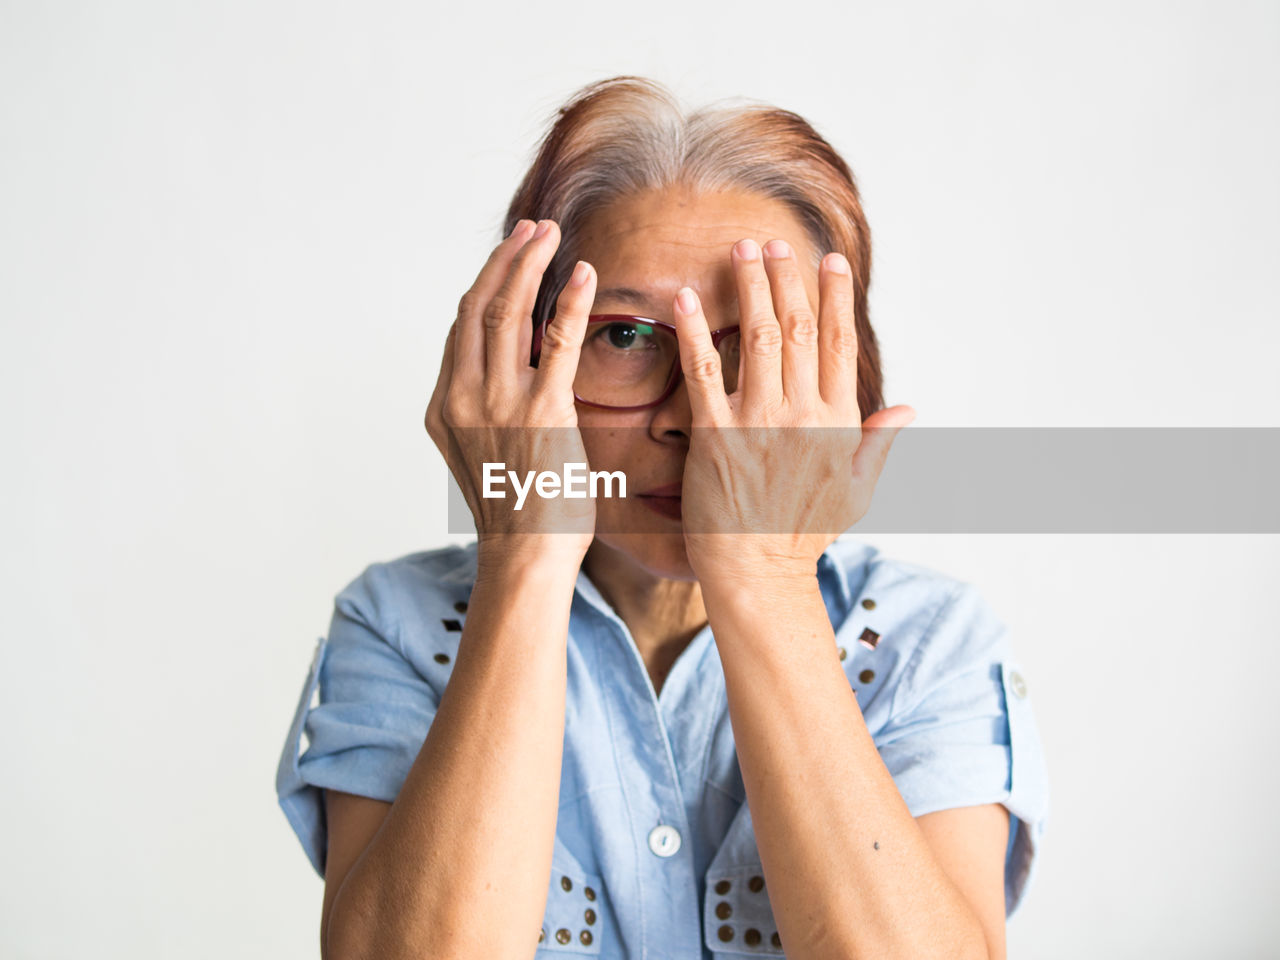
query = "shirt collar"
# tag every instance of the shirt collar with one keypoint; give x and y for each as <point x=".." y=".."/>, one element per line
<point x="833" y="580"/>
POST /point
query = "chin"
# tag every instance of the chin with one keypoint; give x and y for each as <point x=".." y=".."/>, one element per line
<point x="659" y="554"/>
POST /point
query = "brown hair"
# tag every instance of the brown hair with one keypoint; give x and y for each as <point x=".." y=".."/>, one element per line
<point x="627" y="135"/>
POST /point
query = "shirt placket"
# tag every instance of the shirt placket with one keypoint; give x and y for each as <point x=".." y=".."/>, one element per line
<point x="658" y="901"/>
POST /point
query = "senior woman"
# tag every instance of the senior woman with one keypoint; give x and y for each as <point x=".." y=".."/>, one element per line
<point x="689" y="721"/>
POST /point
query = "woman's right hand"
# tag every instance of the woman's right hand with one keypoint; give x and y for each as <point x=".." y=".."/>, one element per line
<point x="491" y="406"/>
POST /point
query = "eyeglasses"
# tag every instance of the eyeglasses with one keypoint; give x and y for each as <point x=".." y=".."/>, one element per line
<point x="633" y="363"/>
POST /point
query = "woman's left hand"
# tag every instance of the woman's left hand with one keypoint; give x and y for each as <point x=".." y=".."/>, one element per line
<point x="767" y="481"/>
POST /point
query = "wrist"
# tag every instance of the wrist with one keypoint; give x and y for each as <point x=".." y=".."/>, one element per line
<point x="550" y="557"/>
<point x="752" y="590"/>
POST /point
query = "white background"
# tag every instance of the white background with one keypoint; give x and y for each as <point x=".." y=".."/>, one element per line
<point x="233" y="234"/>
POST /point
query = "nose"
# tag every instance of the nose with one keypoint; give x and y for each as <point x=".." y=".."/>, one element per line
<point x="672" y="419"/>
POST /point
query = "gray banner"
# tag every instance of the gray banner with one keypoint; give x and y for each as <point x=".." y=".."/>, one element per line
<point x="971" y="479"/>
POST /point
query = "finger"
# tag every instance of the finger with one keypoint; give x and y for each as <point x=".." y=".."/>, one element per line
<point x="699" y="361"/>
<point x="469" y="349"/>
<point x="796" y="319"/>
<point x="761" y="380"/>
<point x="434" y="420"/>
<point x="563" y="335"/>
<point x="878" y="434"/>
<point x="508" y="316"/>
<point x="837" y="333"/>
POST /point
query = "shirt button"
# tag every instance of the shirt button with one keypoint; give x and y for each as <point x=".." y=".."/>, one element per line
<point x="1017" y="684"/>
<point x="664" y="840"/>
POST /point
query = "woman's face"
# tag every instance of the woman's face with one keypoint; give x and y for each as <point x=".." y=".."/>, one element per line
<point x="644" y="249"/>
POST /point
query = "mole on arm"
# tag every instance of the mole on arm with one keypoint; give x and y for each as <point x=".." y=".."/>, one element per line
<point x="877" y="844"/>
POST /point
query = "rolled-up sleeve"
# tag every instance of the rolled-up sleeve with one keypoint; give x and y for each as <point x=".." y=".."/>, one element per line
<point x="961" y="731"/>
<point x="361" y="719"/>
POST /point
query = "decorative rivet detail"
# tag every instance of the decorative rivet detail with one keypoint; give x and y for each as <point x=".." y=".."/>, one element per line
<point x="866" y="676"/>
<point x="588" y="893"/>
<point x="723" y="910"/>
<point x="442" y="658"/>
<point x="461" y="606"/>
<point x="589" y="916"/>
<point x="843" y="653"/>
<point x="869" y="638"/>
<point x="566" y="884"/>
<point x="542" y="934"/>
<point x="755" y="884"/>
<point x="752" y="937"/>
<point x="585" y="937"/>
<point x="563" y="936"/>
<point x="776" y="940"/>
<point x="868" y="604"/>
<point x="453" y="626"/>
<point x="722" y="887"/>
<point x="725" y="933"/>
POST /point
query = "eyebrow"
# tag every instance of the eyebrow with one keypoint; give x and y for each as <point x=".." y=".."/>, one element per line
<point x="646" y="302"/>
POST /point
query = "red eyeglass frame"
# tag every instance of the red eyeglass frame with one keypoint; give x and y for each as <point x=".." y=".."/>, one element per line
<point x="676" y="372"/>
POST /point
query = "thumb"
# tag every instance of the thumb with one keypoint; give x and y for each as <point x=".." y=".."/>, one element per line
<point x="878" y="433"/>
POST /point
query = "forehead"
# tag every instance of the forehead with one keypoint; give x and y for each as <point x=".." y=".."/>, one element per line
<point x="649" y="245"/>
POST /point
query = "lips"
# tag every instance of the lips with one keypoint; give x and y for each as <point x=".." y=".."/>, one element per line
<point x="666" y="490"/>
<point x="664" y="500"/>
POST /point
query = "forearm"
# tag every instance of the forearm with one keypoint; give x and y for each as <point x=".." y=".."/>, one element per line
<point x="848" y="871"/>
<point x="461" y="864"/>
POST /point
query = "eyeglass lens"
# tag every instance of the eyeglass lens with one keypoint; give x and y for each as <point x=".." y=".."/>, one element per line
<point x="628" y="363"/>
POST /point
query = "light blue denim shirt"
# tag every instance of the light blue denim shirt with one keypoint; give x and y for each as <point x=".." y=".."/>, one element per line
<point x="653" y="832"/>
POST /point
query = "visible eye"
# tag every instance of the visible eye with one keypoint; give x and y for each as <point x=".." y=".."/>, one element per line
<point x="628" y="336"/>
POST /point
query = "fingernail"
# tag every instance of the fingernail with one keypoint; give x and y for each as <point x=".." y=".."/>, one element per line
<point x="687" y="300"/>
<point x="746" y="250"/>
<point x="543" y="227"/>
<point x="580" y="274"/>
<point x="520" y="227"/>
<point x="837" y="263"/>
<point x="777" y="249"/>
